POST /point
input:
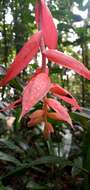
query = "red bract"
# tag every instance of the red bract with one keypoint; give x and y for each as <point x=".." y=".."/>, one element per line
<point x="44" y="19"/>
<point x="23" y="58"/>
<point x="57" y="107"/>
<point x="36" y="89"/>
<point x="71" y="101"/>
<point x="64" y="95"/>
<point x="68" y="62"/>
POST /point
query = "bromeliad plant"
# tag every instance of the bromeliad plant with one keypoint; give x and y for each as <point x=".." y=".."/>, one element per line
<point x="37" y="89"/>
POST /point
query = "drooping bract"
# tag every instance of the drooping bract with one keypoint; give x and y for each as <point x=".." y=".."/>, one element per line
<point x="22" y="59"/>
<point x="63" y="94"/>
<point x="58" y="108"/>
<point x="71" y="101"/>
<point x="67" y="62"/>
<point x="36" y="89"/>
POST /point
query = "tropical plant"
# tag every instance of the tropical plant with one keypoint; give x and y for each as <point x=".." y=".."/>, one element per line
<point x="40" y="102"/>
<point x="40" y="85"/>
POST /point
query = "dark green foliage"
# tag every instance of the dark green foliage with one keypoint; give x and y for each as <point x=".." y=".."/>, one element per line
<point x="30" y="161"/>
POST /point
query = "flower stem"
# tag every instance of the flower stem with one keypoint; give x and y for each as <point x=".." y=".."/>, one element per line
<point x="42" y="44"/>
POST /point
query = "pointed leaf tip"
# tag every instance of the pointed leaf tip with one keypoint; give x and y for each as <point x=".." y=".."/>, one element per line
<point x="58" y="108"/>
<point x="67" y="62"/>
<point x="36" y="89"/>
<point x="22" y="59"/>
<point x="63" y="94"/>
<point x="71" y="101"/>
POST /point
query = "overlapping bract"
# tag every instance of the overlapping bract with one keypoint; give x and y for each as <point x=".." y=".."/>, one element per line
<point x="44" y="20"/>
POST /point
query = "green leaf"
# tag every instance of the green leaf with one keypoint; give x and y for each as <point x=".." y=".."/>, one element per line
<point x="1" y="186"/>
<point x="44" y="160"/>
<point x="35" y="186"/>
<point x="8" y="158"/>
<point x="9" y="144"/>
